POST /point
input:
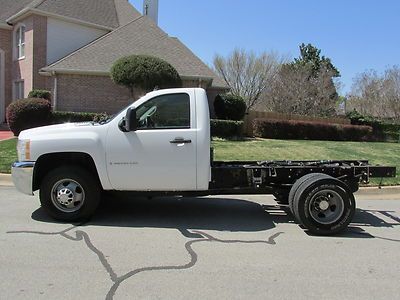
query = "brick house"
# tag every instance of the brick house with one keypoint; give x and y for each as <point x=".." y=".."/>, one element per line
<point x="68" y="47"/>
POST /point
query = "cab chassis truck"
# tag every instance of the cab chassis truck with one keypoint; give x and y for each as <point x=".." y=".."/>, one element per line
<point x="160" y="146"/>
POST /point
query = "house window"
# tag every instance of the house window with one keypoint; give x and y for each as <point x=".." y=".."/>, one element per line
<point x="18" y="90"/>
<point x="20" y="42"/>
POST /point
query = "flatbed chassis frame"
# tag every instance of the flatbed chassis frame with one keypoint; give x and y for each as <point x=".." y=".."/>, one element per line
<point x="278" y="175"/>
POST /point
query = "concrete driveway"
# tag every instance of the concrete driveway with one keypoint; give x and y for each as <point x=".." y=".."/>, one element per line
<point x="208" y="248"/>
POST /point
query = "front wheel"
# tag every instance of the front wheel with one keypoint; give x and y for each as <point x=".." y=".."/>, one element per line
<point x="70" y="194"/>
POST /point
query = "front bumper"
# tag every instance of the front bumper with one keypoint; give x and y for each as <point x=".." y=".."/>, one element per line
<point x="22" y="176"/>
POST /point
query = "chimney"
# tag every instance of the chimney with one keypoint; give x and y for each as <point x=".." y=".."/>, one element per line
<point x="150" y="9"/>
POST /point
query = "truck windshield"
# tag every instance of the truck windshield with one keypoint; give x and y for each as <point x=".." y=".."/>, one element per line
<point x="111" y="117"/>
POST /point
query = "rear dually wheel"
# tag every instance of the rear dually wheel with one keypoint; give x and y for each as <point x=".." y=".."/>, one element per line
<point x="324" y="205"/>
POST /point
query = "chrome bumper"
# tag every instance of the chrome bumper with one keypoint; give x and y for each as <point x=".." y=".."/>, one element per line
<point x="22" y="176"/>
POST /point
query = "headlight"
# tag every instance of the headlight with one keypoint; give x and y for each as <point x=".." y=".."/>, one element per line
<point x="24" y="150"/>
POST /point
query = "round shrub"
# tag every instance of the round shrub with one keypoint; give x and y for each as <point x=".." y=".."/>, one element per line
<point x="28" y="113"/>
<point x="229" y="107"/>
<point x="144" y="72"/>
<point x="42" y="94"/>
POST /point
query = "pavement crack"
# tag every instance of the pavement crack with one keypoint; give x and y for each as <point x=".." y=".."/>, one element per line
<point x="79" y="236"/>
<point x="118" y="280"/>
<point x="82" y="235"/>
<point x="193" y="257"/>
<point x="386" y="239"/>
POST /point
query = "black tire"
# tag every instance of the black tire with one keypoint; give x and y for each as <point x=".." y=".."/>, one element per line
<point x="330" y="220"/>
<point x="298" y="183"/>
<point x="282" y="196"/>
<point x="83" y="184"/>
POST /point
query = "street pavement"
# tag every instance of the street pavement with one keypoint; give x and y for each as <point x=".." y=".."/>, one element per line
<point x="231" y="247"/>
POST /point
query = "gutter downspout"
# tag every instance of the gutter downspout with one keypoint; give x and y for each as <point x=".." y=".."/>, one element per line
<point x="55" y="90"/>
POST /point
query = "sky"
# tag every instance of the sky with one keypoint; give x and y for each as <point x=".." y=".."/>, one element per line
<point x="357" y="35"/>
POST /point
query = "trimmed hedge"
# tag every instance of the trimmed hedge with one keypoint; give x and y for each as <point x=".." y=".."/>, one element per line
<point x="301" y="130"/>
<point x="145" y="72"/>
<point x="226" y="128"/>
<point x="33" y="112"/>
<point x="382" y="130"/>
<point x="42" y="94"/>
<point x="59" y="117"/>
<point x="229" y="107"/>
<point x="28" y="113"/>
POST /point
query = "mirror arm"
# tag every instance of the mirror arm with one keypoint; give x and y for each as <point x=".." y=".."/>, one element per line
<point x="122" y="125"/>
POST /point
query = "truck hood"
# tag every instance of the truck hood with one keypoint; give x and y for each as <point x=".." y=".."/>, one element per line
<point x="55" y="129"/>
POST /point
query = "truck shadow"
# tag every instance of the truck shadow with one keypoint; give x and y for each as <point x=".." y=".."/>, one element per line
<point x="221" y="214"/>
<point x="364" y="219"/>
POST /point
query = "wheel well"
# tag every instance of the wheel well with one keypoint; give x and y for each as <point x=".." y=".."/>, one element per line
<point x="48" y="162"/>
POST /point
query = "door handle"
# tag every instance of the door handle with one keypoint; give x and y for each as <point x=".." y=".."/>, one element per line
<point x="180" y="141"/>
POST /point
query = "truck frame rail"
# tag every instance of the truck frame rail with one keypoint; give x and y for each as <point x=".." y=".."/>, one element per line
<point x="283" y="174"/>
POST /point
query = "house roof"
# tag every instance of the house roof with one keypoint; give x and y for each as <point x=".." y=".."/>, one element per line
<point x="106" y="13"/>
<point x="11" y="7"/>
<point x="140" y="36"/>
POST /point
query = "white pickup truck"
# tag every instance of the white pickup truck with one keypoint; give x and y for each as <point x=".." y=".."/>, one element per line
<point x="160" y="145"/>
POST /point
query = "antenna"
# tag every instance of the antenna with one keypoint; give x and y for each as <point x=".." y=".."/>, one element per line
<point x="150" y="9"/>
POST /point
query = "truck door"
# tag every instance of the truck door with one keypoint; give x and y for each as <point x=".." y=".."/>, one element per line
<point x="161" y="154"/>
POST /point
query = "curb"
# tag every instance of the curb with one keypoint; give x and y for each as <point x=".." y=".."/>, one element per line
<point x="6" y="180"/>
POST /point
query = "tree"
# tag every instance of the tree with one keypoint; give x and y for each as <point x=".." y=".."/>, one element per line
<point x="310" y="56"/>
<point x="305" y="86"/>
<point x="247" y="74"/>
<point x="144" y="72"/>
<point x="296" y="91"/>
<point x="376" y="94"/>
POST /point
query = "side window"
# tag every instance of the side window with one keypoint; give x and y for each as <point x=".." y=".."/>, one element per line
<point x="165" y="112"/>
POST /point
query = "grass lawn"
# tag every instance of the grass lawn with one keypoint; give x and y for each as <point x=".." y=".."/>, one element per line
<point x="8" y="155"/>
<point x="260" y="149"/>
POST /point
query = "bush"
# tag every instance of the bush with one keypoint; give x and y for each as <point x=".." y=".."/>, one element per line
<point x="144" y="72"/>
<point x="28" y="113"/>
<point x="301" y="130"/>
<point x="226" y="128"/>
<point x="229" y="107"/>
<point x="42" y="94"/>
<point x="59" y="117"/>
<point x="382" y="130"/>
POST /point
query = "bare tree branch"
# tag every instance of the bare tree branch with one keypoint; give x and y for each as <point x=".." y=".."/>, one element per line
<point x="248" y="74"/>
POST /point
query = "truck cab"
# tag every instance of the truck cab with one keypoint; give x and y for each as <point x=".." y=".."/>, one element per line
<point x="161" y="142"/>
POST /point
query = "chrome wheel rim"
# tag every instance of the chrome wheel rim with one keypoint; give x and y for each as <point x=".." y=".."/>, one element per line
<point x="67" y="195"/>
<point x="326" y="207"/>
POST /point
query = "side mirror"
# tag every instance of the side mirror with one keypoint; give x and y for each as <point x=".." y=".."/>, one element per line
<point x="130" y="120"/>
<point x="129" y="123"/>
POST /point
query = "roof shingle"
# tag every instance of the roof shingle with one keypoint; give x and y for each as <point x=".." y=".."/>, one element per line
<point x="107" y="13"/>
<point x="141" y="36"/>
<point x="11" y="7"/>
